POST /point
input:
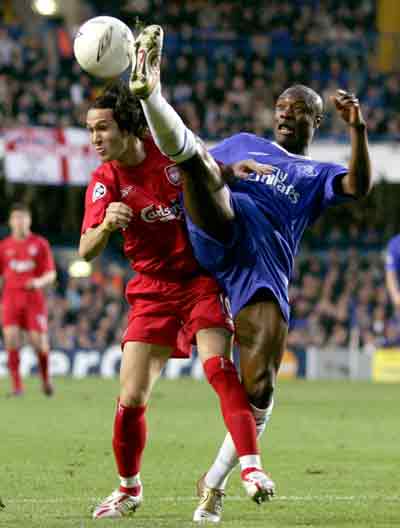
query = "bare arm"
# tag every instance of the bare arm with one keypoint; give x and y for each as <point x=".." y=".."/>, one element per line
<point x="94" y="240"/>
<point x="358" y="180"/>
<point x="41" y="282"/>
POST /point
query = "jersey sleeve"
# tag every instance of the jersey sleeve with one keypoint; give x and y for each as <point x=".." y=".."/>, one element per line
<point x="46" y="260"/>
<point x="392" y="257"/>
<point x="330" y="174"/>
<point x="100" y="193"/>
<point x="227" y="151"/>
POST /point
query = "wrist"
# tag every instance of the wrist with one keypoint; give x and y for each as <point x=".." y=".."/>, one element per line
<point x="227" y="173"/>
<point x="105" y="227"/>
<point x="360" y="127"/>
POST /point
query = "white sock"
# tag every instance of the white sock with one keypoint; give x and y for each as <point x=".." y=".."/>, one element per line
<point x="217" y="476"/>
<point x="170" y="133"/>
<point x="250" y="461"/>
<point x="130" y="482"/>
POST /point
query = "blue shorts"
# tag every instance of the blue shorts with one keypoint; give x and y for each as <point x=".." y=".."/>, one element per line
<point x="252" y="260"/>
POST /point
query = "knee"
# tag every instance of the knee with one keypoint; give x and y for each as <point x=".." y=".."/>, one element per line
<point x="12" y="341"/>
<point x="260" y="387"/>
<point x="132" y="396"/>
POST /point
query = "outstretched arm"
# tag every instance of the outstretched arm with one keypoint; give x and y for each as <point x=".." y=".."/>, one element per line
<point x="358" y="180"/>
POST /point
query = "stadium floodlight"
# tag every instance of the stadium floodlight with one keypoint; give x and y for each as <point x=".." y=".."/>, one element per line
<point x="46" y="7"/>
<point x="80" y="269"/>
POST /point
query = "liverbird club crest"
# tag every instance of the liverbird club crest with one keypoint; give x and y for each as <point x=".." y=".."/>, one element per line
<point x="173" y="174"/>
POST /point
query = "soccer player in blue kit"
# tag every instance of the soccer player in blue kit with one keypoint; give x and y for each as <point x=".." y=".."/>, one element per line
<point x="246" y="232"/>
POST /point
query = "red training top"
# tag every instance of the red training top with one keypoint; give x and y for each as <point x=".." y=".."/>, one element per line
<point x="23" y="260"/>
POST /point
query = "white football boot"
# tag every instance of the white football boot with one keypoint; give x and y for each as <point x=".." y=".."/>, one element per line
<point x="117" y="505"/>
<point x="258" y="485"/>
<point x="146" y="61"/>
<point x="209" y="509"/>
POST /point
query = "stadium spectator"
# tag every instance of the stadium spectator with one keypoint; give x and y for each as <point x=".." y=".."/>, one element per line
<point x="313" y="37"/>
<point x="207" y="41"/>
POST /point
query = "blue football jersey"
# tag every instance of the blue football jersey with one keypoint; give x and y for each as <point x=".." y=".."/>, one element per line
<point x="392" y="261"/>
<point x="271" y="214"/>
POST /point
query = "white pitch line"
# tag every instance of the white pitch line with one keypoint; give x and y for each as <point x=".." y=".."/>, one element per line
<point x="291" y="498"/>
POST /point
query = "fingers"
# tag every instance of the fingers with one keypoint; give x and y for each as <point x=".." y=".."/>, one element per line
<point x="344" y="99"/>
<point x="119" y="214"/>
<point x="120" y="207"/>
<point x="263" y="168"/>
<point x="243" y="168"/>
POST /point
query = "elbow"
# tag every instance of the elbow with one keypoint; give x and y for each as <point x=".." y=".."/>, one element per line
<point x="361" y="193"/>
<point x="362" y="188"/>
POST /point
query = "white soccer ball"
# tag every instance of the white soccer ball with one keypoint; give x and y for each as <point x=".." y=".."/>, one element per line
<point x="102" y="46"/>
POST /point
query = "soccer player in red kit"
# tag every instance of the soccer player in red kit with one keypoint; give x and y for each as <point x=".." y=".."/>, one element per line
<point x="174" y="303"/>
<point x="26" y="267"/>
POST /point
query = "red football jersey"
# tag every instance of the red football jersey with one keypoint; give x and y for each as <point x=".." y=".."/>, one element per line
<point x="156" y="240"/>
<point x="22" y="260"/>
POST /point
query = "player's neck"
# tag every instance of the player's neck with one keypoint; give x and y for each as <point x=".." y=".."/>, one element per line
<point x="134" y="154"/>
<point x="21" y="235"/>
<point x="299" y="151"/>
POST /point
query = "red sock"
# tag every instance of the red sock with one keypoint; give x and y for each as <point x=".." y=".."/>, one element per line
<point x="13" y="366"/>
<point x="129" y="439"/>
<point x="239" y="420"/>
<point x="43" y="360"/>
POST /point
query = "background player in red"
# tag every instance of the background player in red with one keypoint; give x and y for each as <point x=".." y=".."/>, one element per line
<point x="174" y="303"/>
<point x="27" y="267"/>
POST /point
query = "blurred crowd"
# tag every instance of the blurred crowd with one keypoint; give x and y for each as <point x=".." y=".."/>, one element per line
<point x="338" y="296"/>
<point x="340" y="300"/>
<point x="89" y="313"/>
<point x="225" y="63"/>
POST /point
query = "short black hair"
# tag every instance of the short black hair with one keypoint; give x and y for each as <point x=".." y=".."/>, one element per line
<point x="126" y="107"/>
<point x="20" y="206"/>
<point x="312" y="99"/>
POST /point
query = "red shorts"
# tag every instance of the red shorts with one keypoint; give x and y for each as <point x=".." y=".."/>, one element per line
<point x="170" y="313"/>
<point x="25" y="309"/>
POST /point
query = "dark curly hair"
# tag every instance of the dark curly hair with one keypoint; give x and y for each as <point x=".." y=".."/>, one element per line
<point x="127" y="110"/>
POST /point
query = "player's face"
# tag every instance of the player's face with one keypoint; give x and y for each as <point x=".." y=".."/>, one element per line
<point x="294" y="123"/>
<point x="108" y="140"/>
<point x="20" y="223"/>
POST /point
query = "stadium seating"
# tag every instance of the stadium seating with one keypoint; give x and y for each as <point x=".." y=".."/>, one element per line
<point x="225" y="67"/>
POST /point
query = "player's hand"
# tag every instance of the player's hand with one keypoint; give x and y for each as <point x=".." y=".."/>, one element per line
<point x="118" y="215"/>
<point x="32" y="284"/>
<point x="242" y="169"/>
<point x="348" y="107"/>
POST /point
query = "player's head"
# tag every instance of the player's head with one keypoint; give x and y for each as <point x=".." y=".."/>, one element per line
<point x="298" y="113"/>
<point x="20" y="219"/>
<point x="112" y="118"/>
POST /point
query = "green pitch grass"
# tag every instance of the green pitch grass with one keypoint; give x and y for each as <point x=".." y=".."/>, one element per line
<point x="333" y="449"/>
